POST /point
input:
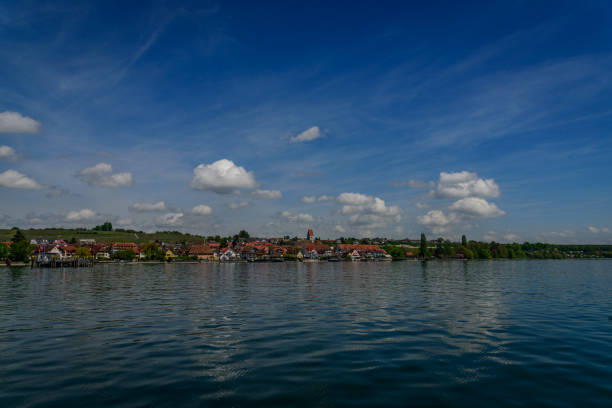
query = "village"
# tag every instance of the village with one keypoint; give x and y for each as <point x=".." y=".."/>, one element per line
<point x="49" y="252"/>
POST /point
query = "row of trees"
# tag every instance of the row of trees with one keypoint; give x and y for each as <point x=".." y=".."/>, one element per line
<point x="20" y="249"/>
<point x="442" y="248"/>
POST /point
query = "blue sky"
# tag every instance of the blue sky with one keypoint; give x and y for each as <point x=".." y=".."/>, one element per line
<point x="355" y="119"/>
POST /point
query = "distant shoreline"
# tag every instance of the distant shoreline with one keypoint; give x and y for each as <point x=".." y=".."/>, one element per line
<point x="23" y="265"/>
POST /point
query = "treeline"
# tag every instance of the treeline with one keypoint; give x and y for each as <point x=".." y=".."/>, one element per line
<point x="445" y="249"/>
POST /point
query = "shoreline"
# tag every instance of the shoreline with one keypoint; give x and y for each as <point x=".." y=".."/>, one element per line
<point x="23" y="265"/>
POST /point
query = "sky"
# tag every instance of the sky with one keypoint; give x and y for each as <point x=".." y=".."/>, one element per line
<point x="361" y="119"/>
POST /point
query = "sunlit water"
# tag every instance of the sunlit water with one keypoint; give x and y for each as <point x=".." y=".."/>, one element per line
<point x="498" y="333"/>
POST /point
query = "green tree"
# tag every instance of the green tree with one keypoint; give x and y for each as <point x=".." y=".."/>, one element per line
<point x="107" y="226"/>
<point x="153" y="252"/>
<point x="83" y="252"/>
<point x="423" y="250"/>
<point x="124" y="255"/>
<point x="18" y="237"/>
<point x="463" y="241"/>
<point x="20" y="251"/>
<point x="4" y="251"/>
<point x="243" y="234"/>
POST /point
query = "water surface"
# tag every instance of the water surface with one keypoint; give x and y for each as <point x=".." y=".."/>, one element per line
<point x="503" y="333"/>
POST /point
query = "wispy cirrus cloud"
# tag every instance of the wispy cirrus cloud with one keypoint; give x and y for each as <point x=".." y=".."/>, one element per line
<point x="308" y="135"/>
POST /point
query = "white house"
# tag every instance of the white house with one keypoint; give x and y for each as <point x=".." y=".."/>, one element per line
<point x="228" y="255"/>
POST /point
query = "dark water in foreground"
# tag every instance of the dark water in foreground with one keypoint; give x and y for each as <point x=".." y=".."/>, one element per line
<point x="337" y="334"/>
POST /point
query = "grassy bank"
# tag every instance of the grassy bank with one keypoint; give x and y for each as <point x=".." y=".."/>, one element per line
<point x="101" y="236"/>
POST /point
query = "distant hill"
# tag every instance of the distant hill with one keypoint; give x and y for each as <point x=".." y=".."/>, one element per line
<point x="102" y="236"/>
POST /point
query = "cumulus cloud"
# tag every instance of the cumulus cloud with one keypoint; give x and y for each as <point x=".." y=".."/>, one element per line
<point x="308" y="135"/>
<point x="366" y="212"/>
<point x="339" y="228"/>
<point x="353" y="203"/>
<point x="15" y="122"/>
<point x="308" y="199"/>
<point x="302" y="217"/>
<point x="464" y="184"/>
<point x="237" y="205"/>
<point x="148" y="207"/>
<point x="169" y="220"/>
<point x="594" y="230"/>
<point x="269" y="194"/>
<point x="437" y="220"/>
<point x="15" y="179"/>
<point x="8" y="153"/>
<point x="202" y="210"/>
<point x="222" y="177"/>
<point x="470" y="192"/>
<point x="100" y="175"/>
<point x="477" y="207"/>
<point x="83" y="215"/>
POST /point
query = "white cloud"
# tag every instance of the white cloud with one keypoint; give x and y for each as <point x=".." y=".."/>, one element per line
<point x="83" y="215"/>
<point x="308" y="199"/>
<point x="464" y="184"/>
<point x="15" y="122"/>
<point x="367" y="212"/>
<point x="169" y="220"/>
<point x="471" y="191"/>
<point x="99" y="175"/>
<point x="437" y="221"/>
<point x="308" y="135"/>
<point x="594" y="230"/>
<point x="353" y="203"/>
<point x="8" y="153"/>
<point x="222" y="177"/>
<point x="339" y="228"/>
<point x="302" y="217"/>
<point x="15" y="179"/>
<point x="422" y="205"/>
<point x="202" y="210"/>
<point x="240" y="204"/>
<point x="313" y="199"/>
<point x="477" y="207"/>
<point x="326" y="198"/>
<point x="149" y="207"/>
<point x="511" y="237"/>
<point x="270" y="194"/>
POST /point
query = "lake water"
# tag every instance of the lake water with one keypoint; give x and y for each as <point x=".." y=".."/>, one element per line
<point x="498" y="333"/>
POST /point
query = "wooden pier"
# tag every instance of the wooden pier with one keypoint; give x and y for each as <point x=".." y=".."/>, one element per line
<point x="63" y="263"/>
